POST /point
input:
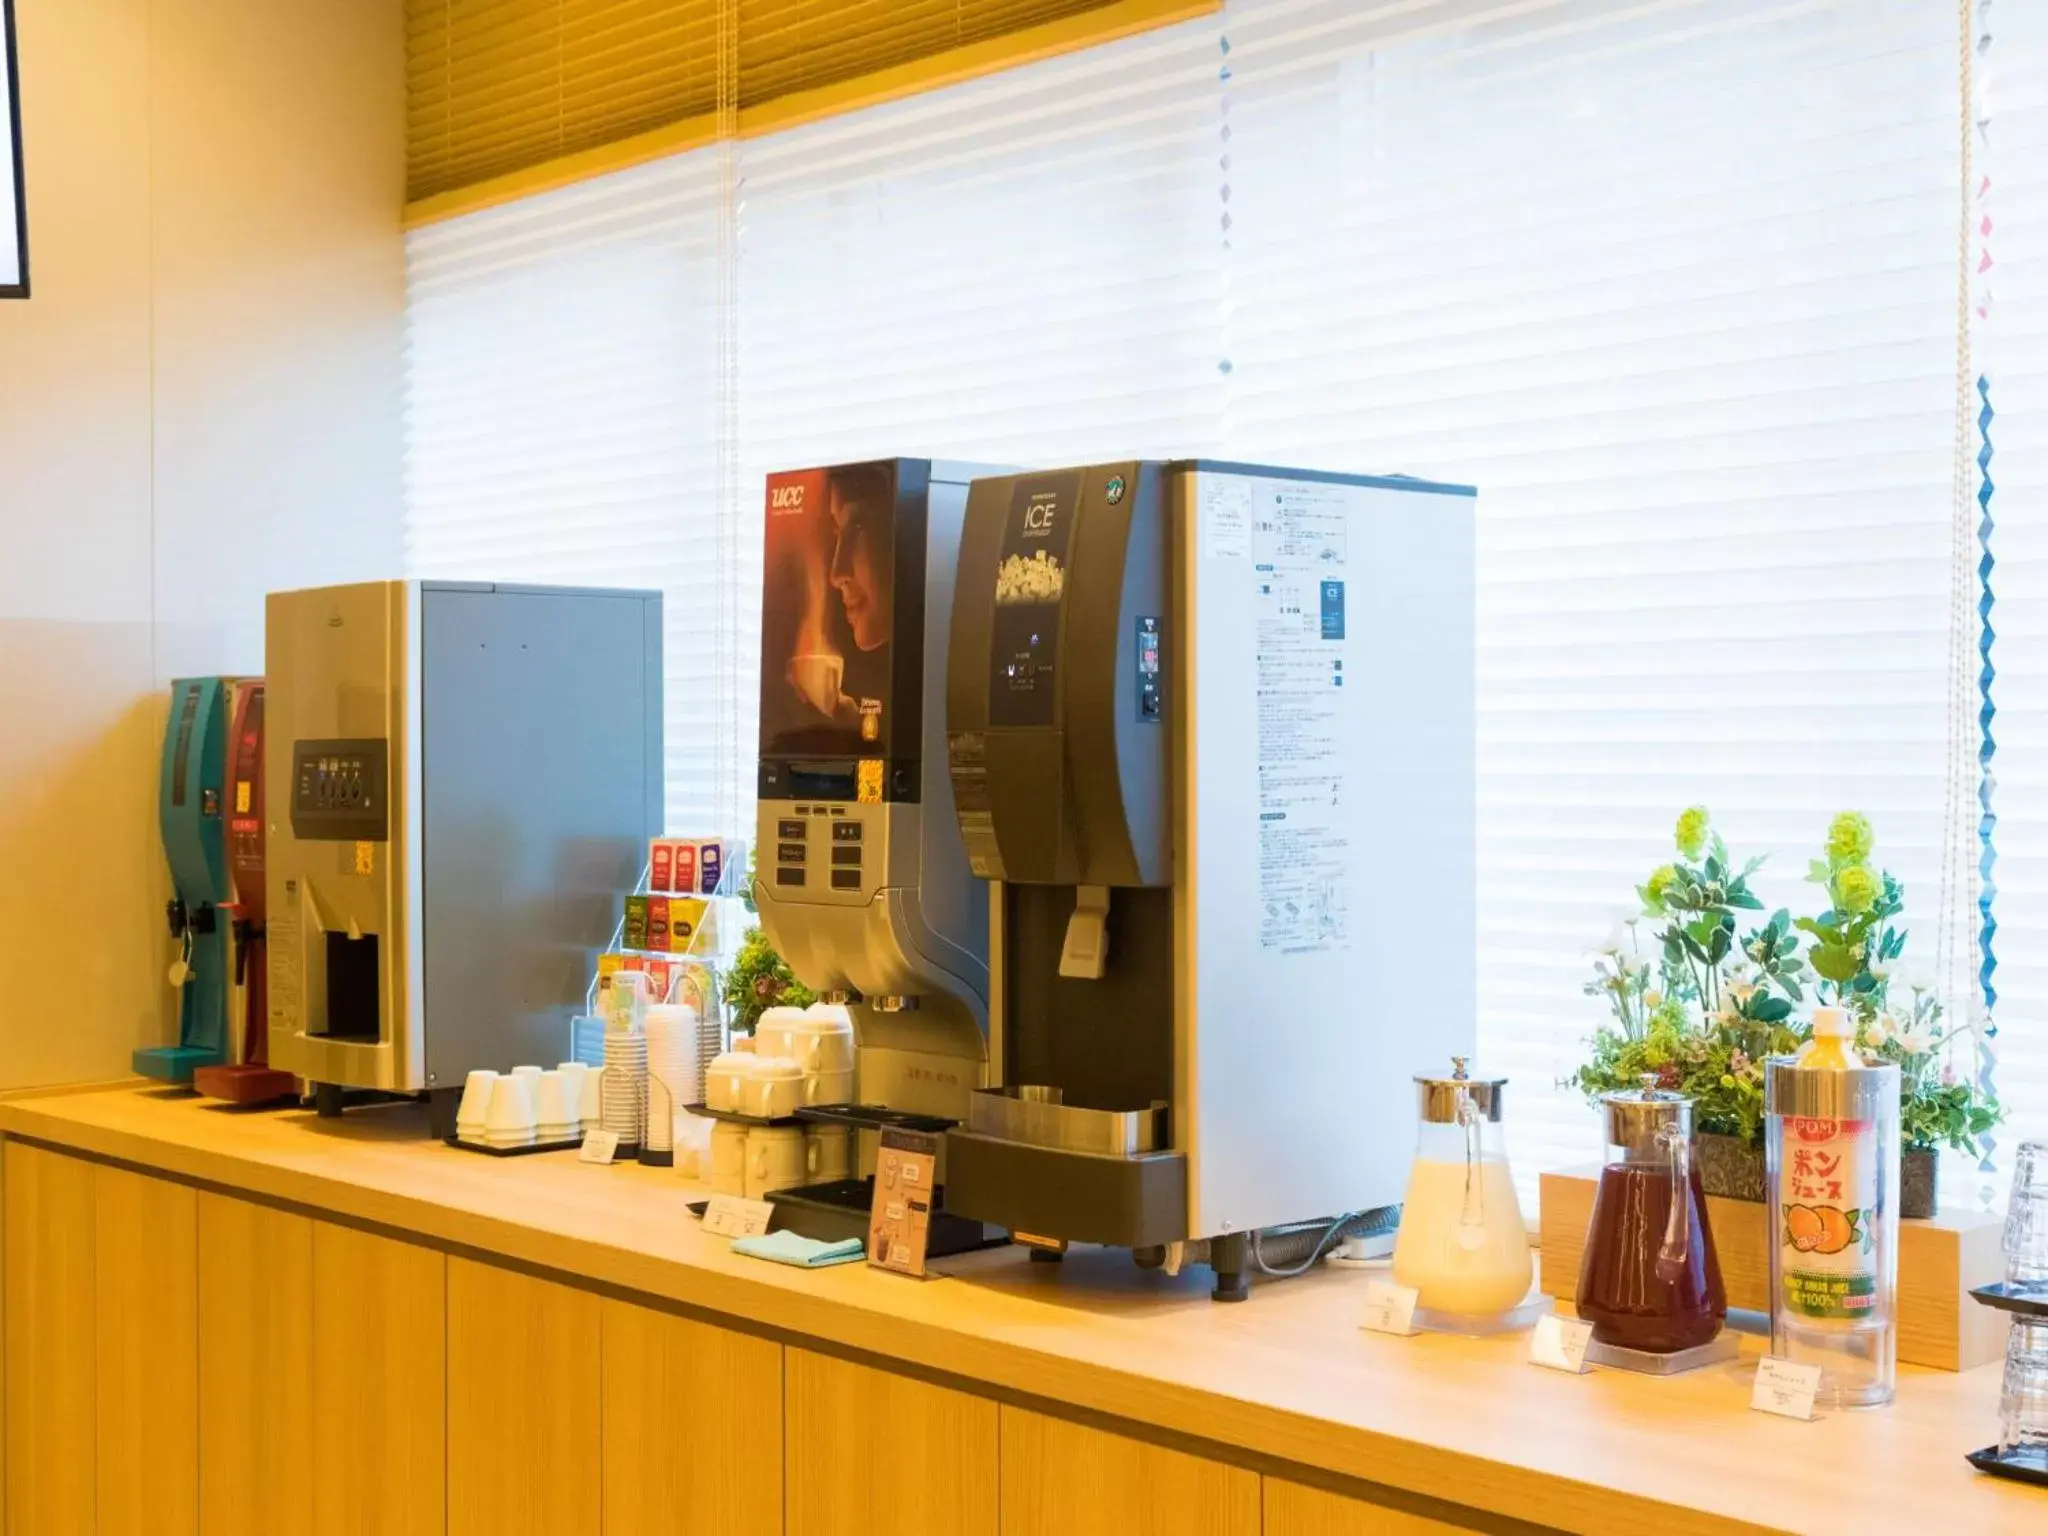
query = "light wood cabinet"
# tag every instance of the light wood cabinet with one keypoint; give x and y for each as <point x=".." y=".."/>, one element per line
<point x="1293" y="1509"/>
<point x="1060" y="1477"/>
<point x="146" y="1262"/>
<point x="380" y="1386"/>
<point x="865" y="1450"/>
<point x="49" y="1293"/>
<point x="255" y="1369"/>
<point x="525" y="1447"/>
<point x="722" y="1476"/>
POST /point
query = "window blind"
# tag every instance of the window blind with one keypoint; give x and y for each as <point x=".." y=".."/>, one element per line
<point x="1671" y="282"/>
<point x="496" y="87"/>
<point x="560" y="417"/>
<point x="1020" y="266"/>
<point x="1673" y="285"/>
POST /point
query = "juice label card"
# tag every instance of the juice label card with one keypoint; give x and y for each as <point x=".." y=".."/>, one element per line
<point x="685" y="867"/>
<point x="1828" y="1206"/>
<point x="661" y="861"/>
<point x="710" y="868"/>
<point x="635" y="935"/>
<point x="657" y="923"/>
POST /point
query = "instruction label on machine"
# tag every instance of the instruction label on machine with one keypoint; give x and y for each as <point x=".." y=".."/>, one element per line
<point x="1299" y="554"/>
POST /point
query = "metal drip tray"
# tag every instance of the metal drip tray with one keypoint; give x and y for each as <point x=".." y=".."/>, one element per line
<point x="1034" y="1115"/>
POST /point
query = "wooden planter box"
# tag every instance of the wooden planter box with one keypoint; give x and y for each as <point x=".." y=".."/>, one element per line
<point x="1940" y="1262"/>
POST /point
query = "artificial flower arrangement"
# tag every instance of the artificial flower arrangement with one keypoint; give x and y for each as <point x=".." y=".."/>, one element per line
<point x="1700" y="1002"/>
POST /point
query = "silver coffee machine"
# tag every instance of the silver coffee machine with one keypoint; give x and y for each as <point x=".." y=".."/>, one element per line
<point x="1210" y="731"/>
<point x="462" y="780"/>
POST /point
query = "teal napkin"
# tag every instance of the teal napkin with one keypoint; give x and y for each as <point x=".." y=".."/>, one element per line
<point x="805" y="1252"/>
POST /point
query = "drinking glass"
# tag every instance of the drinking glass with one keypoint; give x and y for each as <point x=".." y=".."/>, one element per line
<point x="2023" y="1401"/>
<point x="2026" y="1219"/>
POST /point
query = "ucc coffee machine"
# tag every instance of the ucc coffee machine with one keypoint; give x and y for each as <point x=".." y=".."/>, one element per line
<point x="1210" y="731"/>
<point x="860" y="879"/>
<point x="462" y="782"/>
<point x="861" y="882"/>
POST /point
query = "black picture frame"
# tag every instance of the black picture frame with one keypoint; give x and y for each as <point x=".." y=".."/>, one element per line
<point x="11" y="127"/>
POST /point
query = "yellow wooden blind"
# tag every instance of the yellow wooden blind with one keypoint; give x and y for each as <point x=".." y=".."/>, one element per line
<point x="508" y="96"/>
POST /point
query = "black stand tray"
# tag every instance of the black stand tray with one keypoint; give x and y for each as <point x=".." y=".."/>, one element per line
<point x="2029" y="1464"/>
<point x="734" y="1117"/>
<point x="833" y="1212"/>
<point x="527" y="1151"/>
<point x="873" y="1117"/>
<point x="2022" y="1300"/>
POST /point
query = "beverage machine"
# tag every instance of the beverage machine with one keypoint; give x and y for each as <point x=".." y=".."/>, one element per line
<point x="189" y="811"/>
<point x="1210" y="734"/>
<point x="463" y="779"/>
<point x="249" y="1078"/>
<point x="861" y="881"/>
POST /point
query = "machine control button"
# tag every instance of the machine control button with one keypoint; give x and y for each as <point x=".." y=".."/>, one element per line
<point x="788" y="828"/>
<point x="789" y="877"/>
<point x="845" y="879"/>
<point x="847" y="831"/>
<point x="790" y="853"/>
<point x="846" y="856"/>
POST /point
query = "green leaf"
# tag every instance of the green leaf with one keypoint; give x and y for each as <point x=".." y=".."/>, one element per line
<point x="1740" y="897"/>
<point x="1817" y="871"/>
<point x="1836" y="962"/>
<point x="1770" y="1010"/>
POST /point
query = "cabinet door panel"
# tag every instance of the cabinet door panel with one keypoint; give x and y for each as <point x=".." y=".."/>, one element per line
<point x="725" y="1474"/>
<point x="146" y="1242"/>
<point x="1060" y="1477"/>
<point x="525" y="1447"/>
<point x="866" y="1450"/>
<point x="1295" y="1510"/>
<point x="255" y="1368"/>
<point x="51" y="1346"/>
<point x="380" y="1386"/>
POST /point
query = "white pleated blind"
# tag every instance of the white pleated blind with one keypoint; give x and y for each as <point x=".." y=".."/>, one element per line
<point x="1673" y="285"/>
<point x="1672" y="282"/>
<point x="560" y="415"/>
<point x="2014" y="348"/>
<point x="1020" y="270"/>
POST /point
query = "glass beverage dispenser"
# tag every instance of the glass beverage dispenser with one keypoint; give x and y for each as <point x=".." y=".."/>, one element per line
<point x="1650" y="1279"/>
<point x="1462" y="1246"/>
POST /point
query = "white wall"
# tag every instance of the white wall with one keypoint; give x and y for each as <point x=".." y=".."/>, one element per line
<point x="200" y="402"/>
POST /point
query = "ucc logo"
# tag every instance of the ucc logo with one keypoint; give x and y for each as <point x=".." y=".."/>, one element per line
<point x="785" y="498"/>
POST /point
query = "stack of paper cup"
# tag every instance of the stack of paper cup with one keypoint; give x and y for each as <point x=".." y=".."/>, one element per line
<point x="475" y="1109"/>
<point x="624" y="1088"/>
<point x="671" y="1068"/>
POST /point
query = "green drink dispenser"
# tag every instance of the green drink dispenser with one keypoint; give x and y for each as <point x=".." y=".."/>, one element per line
<point x="189" y="814"/>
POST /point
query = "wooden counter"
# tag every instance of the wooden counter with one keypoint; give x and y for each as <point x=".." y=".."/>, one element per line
<point x="1035" y="1395"/>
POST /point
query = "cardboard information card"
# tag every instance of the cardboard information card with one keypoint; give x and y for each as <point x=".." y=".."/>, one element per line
<point x="899" y="1225"/>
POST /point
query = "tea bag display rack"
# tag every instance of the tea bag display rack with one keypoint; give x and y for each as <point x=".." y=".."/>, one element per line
<point x="2026" y="1464"/>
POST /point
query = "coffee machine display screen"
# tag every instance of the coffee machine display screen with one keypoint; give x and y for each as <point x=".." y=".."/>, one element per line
<point x="1031" y="580"/>
<point x="830" y="613"/>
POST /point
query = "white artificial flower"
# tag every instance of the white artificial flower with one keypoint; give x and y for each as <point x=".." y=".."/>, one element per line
<point x="1738" y="993"/>
<point x="1915" y="1042"/>
<point x="1616" y="940"/>
<point x="1920" y="979"/>
<point x="1653" y="999"/>
<point x="1881" y="972"/>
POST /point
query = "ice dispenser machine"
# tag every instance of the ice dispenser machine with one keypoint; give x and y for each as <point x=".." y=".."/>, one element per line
<point x="462" y="782"/>
<point x="1210" y="735"/>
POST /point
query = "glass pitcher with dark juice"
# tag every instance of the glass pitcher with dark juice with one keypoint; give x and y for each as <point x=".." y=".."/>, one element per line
<point x="1650" y="1280"/>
